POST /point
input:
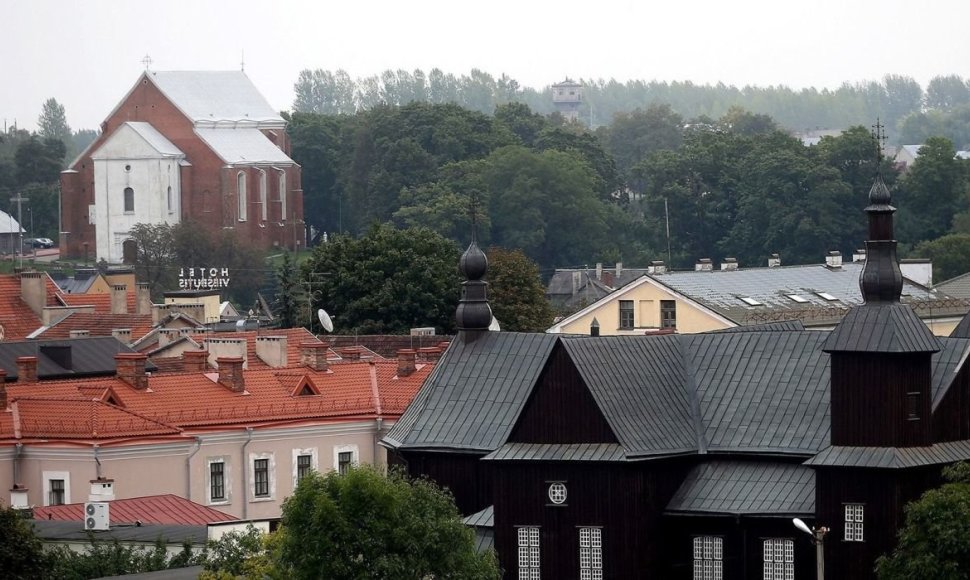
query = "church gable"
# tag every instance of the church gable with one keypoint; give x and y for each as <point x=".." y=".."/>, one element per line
<point x="561" y="409"/>
<point x="136" y="141"/>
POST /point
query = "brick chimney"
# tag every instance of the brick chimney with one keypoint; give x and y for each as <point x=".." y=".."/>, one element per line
<point x="313" y="354"/>
<point x="194" y="361"/>
<point x="429" y="353"/>
<point x="231" y="373"/>
<point x="26" y="369"/>
<point x="833" y="260"/>
<point x="119" y="299"/>
<point x="33" y="290"/>
<point x="131" y="369"/>
<point x="729" y="264"/>
<point x="272" y="350"/>
<point x="143" y="298"/>
<point x="3" y="389"/>
<point x="405" y="362"/>
<point x="704" y="265"/>
<point x="350" y="353"/>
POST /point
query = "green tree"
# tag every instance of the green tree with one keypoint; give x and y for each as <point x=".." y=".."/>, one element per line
<point x="365" y="524"/>
<point x="516" y="293"/>
<point x="946" y="92"/>
<point x="287" y="292"/>
<point x="931" y="192"/>
<point x="933" y="543"/>
<point x="950" y="255"/>
<point x="21" y="552"/>
<point x="386" y="281"/>
<point x="39" y="161"/>
<point x="633" y="136"/>
<point x="52" y="124"/>
<point x="154" y="255"/>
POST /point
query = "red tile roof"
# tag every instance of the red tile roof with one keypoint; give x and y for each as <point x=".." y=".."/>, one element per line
<point x="98" y="324"/>
<point x="17" y="319"/>
<point x="80" y="418"/>
<point x="100" y="301"/>
<point x="152" y="509"/>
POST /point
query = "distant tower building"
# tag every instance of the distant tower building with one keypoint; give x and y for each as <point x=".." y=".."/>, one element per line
<point x="568" y="97"/>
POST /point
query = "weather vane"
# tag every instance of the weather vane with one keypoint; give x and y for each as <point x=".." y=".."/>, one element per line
<point x="147" y="61"/>
<point x="473" y="214"/>
<point x="879" y="135"/>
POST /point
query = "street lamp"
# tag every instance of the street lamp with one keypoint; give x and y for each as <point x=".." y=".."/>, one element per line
<point x="818" y="538"/>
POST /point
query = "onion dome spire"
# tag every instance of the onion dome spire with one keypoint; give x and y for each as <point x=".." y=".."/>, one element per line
<point x="473" y="312"/>
<point x="881" y="280"/>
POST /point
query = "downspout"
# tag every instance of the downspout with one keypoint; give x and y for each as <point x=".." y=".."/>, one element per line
<point x="379" y="422"/>
<point x="19" y="447"/>
<point x="97" y="463"/>
<point x="378" y="426"/>
<point x="188" y="468"/>
<point x="245" y="473"/>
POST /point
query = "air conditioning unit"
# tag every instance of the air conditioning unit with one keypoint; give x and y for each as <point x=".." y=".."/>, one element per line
<point x="96" y="515"/>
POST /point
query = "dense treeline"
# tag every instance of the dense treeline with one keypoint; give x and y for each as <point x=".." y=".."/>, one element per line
<point x="910" y="113"/>
<point x="736" y="186"/>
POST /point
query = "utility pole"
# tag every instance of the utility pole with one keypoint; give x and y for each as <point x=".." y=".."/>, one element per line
<point x="19" y="200"/>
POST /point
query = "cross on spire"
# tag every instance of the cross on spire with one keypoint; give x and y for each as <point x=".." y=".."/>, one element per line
<point x="879" y="136"/>
<point x="147" y="61"/>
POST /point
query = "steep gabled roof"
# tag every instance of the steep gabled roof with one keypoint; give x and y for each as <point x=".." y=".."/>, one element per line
<point x="476" y="393"/>
<point x="214" y="95"/>
<point x="746" y="488"/>
<point x="882" y="327"/>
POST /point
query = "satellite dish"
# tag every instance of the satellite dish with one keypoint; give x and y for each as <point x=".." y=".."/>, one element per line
<point x="240" y="324"/>
<point x="494" y="326"/>
<point x="325" y="320"/>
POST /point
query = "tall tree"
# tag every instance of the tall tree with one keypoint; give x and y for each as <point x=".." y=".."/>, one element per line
<point x="387" y="281"/>
<point x="946" y="92"/>
<point x="516" y="293"/>
<point x="287" y="292"/>
<point x="21" y="552"/>
<point x="633" y="136"/>
<point x="364" y="524"/>
<point x="39" y="161"/>
<point x="52" y="123"/>
<point x="154" y="255"/>
<point x="932" y="192"/>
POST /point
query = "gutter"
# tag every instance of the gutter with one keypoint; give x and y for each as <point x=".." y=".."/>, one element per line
<point x="245" y="473"/>
<point x="188" y="468"/>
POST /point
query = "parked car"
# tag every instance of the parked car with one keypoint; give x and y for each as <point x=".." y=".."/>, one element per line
<point x="38" y="243"/>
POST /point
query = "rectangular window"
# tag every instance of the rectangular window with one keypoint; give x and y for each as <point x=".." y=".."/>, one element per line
<point x="56" y="494"/>
<point x="912" y="406"/>
<point x="217" y="481"/>
<point x="303" y="466"/>
<point x="129" y="199"/>
<point x="626" y="314"/>
<point x="528" y="553"/>
<point x="591" y="553"/>
<point x="854" y="513"/>
<point x="344" y="460"/>
<point x="261" y="477"/>
<point x="779" y="559"/>
<point x="668" y="314"/>
<point x="708" y="558"/>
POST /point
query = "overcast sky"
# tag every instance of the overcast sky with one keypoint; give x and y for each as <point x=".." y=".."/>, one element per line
<point x="88" y="54"/>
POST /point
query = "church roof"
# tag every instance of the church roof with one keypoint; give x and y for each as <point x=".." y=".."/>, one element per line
<point x="155" y="139"/>
<point x="746" y="488"/>
<point x="213" y="96"/>
<point x="9" y="224"/>
<point x="242" y="145"/>
<point x="882" y="327"/>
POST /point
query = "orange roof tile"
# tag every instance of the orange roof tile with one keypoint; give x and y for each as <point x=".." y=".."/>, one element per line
<point x="98" y="324"/>
<point x="17" y="319"/>
<point x="100" y="301"/>
<point x="152" y="509"/>
<point x="81" y="418"/>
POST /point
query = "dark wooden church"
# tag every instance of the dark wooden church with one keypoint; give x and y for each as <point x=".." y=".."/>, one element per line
<point x="687" y="456"/>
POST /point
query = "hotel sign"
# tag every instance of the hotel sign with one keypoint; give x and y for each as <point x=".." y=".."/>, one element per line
<point x="195" y="278"/>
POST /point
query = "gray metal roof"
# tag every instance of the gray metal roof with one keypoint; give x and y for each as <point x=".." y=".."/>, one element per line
<point x="67" y="357"/>
<point x="958" y="287"/>
<point x="475" y="393"/>
<point x="243" y="146"/>
<point x="557" y="452"/>
<point x="156" y="140"/>
<point x="946" y="363"/>
<point x="882" y="327"/>
<point x="722" y="291"/>
<point x="780" y="326"/>
<point x="746" y="488"/>
<point x="484" y="518"/>
<point x="61" y="531"/>
<point x="215" y="95"/>
<point x="962" y="329"/>
<point x="9" y="224"/>
<point x="892" y="457"/>
<point x="641" y="388"/>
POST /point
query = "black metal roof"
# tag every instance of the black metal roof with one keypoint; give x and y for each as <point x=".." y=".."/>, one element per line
<point x="746" y="488"/>
<point x="892" y="457"/>
<point x="557" y="452"/>
<point x="473" y="397"/>
<point x="482" y="519"/>
<point x="962" y="329"/>
<point x="87" y="356"/>
<point x="62" y="531"/>
<point x="882" y="327"/>
<point x="780" y="326"/>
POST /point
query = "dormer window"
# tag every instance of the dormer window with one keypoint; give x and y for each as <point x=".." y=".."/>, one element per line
<point x="750" y="301"/>
<point x="826" y="296"/>
<point x="796" y="298"/>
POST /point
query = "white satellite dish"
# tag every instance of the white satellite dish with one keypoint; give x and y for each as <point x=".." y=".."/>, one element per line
<point x="240" y="324"/>
<point x="494" y="326"/>
<point x="325" y="320"/>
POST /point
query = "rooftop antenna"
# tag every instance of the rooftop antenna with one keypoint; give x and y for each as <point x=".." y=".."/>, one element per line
<point x="147" y="61"/>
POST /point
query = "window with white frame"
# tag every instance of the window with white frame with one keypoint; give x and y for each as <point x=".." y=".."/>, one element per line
<point x="217" y="481"/>
<point x="241" y="193"/>
<point x="591" y="553"/>
<point x="262" y="476"/>
<point x="304" y="462"/>
<point x="854" y="515"/>
<point x="708" y="558"/>
<point x="344" y="457"/>
<point x="779" y="559"/>
<point x="626" y="314"/>
<point x="528" y="543"/>
<point x="57" y="487"/>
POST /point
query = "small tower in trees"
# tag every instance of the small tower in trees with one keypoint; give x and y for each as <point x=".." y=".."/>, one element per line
<point x="567" y="96"/>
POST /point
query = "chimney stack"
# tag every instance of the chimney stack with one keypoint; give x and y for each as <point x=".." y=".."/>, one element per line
<point x="272" y="350"/>
<point x="350" y="353"/>
<point x="231" y="373"/>
<point x="429" y="353"/>
<point x="619" y="269"/>
<point x="143" y="298"/>
<point x="18" y="497"/>
<point x="79" y="333"/>
<point x="131" y="369"/>
<point x="119" y="299"/>
<point x="704" y="265"/>
<point x="729" y="264"/>
<point x="594" y="328"/>
<point x="194" y="361"/>
<point x="405" y="362"/>
<point x="599" y="270"/>
<point x="774" y="261"/>
<point x="313" y="354"/>
<point x="122" y="334"/>
<point x="33" y="289"/>
<point x="859" y="255"/>
<point x="657" y="267"/>
<point x="3" y="389"/>
<point x="833" y="260"/>
<point x="26" y="369"/>
<point x="102" y="489"/>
